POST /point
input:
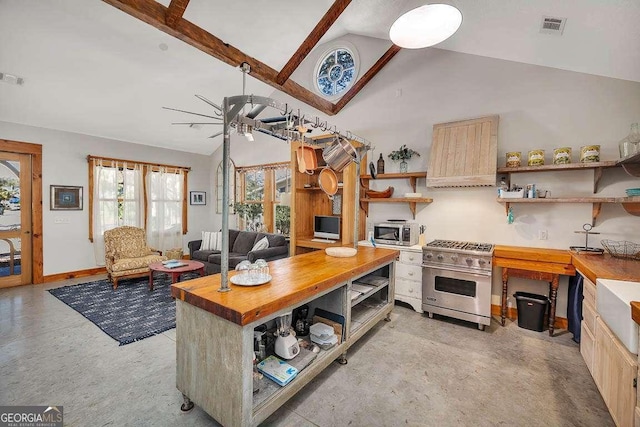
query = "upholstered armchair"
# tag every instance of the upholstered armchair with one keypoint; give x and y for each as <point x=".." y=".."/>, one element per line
<point x="127" y="254"/>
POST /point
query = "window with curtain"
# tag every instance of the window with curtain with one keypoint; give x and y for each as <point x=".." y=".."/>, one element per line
<point x="264" y="197"/>
<point x="138" y="194"/>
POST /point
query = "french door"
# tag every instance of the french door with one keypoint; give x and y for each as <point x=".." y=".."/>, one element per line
<point x="15" y="219"/>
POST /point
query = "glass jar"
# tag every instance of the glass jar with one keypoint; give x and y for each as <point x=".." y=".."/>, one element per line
<point x="631" y="144"/>
<point x="262" y="266"/>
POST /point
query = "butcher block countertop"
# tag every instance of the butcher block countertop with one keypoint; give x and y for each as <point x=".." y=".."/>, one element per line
<point x="607" y="267"/>
<point x="293" y="280"/>
<point x="557" y="261"/>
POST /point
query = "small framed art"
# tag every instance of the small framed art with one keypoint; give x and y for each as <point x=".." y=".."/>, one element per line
<point x="66" y="198"/>
<point x="198" y="197"/>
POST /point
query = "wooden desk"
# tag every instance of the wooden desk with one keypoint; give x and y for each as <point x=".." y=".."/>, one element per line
<point x="533" y="263"/>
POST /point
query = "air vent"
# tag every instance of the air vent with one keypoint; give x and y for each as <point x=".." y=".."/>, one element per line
<point x="11" y="79"/>
<point x="552" y="25"/>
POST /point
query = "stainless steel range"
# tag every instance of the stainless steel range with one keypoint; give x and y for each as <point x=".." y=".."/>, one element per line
<point x="456" y="280"/>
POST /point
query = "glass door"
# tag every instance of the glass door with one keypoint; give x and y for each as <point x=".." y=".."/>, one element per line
<point x="15" y="219"/>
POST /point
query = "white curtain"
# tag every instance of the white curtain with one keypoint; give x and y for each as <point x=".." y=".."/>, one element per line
<point x="117" y="200"/>
<point x="164" y="208"/>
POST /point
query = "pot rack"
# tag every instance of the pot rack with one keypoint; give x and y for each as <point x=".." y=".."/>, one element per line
<point x="282" y="127"/>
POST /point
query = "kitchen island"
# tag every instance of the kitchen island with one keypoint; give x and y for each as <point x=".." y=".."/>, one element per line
<point x="215" y="330"/>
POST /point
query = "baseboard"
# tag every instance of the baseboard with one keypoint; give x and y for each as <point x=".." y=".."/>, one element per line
<point x="512" y="313"/>
<point x="74" y="274"/>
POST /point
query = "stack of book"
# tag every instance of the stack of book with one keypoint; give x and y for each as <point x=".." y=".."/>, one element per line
<point x="173" y="263"/>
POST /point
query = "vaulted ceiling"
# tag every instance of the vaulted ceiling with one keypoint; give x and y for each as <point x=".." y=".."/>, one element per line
<point x="93" y="68"/>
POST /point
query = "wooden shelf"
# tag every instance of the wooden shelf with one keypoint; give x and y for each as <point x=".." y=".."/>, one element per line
<point x="411" y="176"/>
<point x="412" y="201"/>
<point x="630" y="204"/>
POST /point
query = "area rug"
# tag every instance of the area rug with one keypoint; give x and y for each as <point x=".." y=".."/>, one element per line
<point x="128" y="314"/>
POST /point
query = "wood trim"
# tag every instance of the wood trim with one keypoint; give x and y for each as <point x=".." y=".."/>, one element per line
<point x="265" y="166"/>
<point x="74" y="274"/>
<point x="175" y="11"/>
<point x="35" y="150"/>
<point x="512" y="313"/>
<point x="154" y="13"/>
<point x="362" y="82"/>
<point x="119" y="161"/>
<point x="312" y="39"/>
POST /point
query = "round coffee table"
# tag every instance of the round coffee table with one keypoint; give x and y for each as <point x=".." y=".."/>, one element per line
<point x="175" y="272"/>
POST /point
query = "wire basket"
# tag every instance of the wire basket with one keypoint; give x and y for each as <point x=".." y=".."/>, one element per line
<point x="622" y="249"/>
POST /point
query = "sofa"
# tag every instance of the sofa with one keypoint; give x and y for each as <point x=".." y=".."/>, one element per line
<point x="240" y="248"/>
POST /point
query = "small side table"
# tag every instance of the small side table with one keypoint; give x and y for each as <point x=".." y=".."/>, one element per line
<point x="175" y="272"/>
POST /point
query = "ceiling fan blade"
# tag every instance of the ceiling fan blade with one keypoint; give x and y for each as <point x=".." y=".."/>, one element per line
<point x="216" y="106"/>
<point x="216" y="134"/>
<point x="196" y="123"/>
<point x="190" y="112"/>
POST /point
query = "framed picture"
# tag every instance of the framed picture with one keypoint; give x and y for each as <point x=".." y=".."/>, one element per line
<point x="66" y="198"/>
<point x="198" y="197"/>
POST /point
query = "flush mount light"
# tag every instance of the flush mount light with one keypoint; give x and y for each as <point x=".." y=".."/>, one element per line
<point x="425" y="26"/>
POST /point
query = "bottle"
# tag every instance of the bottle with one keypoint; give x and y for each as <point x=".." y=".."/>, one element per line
<point x="631" y="144"/>
<point x="380" y="164"/>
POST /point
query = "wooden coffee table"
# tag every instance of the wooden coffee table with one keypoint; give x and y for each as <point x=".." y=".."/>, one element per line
<point x="175" y="272"/>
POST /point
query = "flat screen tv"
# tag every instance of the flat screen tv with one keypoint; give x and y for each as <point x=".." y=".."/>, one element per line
<point x="326" y="227"/>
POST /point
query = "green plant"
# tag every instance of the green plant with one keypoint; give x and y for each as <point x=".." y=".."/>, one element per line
<point x="403" y="153"/>
<point x="283" y="219"/>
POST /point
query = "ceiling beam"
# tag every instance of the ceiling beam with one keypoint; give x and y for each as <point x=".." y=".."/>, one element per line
<point x="312" y="39"/>
<point x="362" y="82"/>
<point x="175" y="11"/>
<point x="154" y="13"/>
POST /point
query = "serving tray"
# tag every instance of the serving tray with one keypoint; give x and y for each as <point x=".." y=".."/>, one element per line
<point x="250" y="279"/>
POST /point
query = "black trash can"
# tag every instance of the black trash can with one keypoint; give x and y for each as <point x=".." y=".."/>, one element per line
<point x="531" y="310"/>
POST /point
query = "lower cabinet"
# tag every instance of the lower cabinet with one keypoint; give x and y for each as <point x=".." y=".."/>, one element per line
<point x="409" y="278"/>
<point x="615" y="371"/>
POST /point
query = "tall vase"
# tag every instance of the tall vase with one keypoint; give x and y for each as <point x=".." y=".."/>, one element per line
<point x="403" y="167"/>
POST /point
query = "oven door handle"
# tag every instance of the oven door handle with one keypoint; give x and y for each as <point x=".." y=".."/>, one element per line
<point x="459" y="270"/>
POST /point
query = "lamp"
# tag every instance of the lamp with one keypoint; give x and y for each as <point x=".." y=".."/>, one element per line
<point x="425" y="26"/>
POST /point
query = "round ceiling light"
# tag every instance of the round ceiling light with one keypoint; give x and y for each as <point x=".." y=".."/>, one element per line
<point x="425" y="26"/>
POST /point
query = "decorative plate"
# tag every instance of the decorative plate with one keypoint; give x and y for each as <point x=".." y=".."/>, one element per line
<point x="250" y="279"/>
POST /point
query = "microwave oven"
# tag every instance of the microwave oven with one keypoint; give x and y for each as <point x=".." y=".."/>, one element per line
<point x="396" y="233"/>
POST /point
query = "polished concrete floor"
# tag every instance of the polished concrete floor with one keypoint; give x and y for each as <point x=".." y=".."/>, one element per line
<point x="412" y="371"/>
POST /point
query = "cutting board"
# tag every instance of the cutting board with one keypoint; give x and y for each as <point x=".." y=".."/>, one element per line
<point x="464" y="153"/>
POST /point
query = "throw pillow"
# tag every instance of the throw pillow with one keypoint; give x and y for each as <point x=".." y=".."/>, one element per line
<point x="261" y="244"/>
<point x="211" y="241"/>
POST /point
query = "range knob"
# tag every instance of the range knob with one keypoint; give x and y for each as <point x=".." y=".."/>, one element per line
<point x="428" y="255"/>
<point x="469" y="261"/>
<point x="454" y="258"/>
<point x="440" y="257"/>
<point x="482" y="262"/>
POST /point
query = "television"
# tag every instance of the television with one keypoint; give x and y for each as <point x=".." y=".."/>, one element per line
<point x="326" y="227"/>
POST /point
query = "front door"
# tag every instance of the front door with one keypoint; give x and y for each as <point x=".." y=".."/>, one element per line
<point x="15" y="219"/>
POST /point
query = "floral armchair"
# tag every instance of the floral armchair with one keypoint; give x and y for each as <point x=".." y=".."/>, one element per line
<point x="127" y="254"/>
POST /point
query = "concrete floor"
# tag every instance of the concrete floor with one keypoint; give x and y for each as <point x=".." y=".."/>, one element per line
<point x="412" y="371"/>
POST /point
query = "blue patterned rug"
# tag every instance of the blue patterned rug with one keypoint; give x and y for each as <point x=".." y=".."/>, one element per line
<point x="131" y="312"/>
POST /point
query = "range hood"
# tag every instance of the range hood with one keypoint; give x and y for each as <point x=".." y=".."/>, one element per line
<point x="464" y="153"/>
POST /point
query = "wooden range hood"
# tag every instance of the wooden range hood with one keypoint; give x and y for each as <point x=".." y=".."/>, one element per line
<point x="464" y="153"/>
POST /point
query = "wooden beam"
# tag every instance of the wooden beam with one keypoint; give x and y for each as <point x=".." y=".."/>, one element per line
<point x="154" y="13"/>
<point x="175" y="11"/>
<point x="362" y="82"/>
<point x="312" y="39"/>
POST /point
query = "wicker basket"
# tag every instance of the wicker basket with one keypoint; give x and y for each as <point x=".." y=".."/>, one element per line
<point x="622" y="249"/>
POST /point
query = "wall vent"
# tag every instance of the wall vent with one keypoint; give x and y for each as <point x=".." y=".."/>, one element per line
<point x="552" y="25"/>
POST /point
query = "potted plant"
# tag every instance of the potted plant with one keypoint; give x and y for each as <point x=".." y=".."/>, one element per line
<point x="403" y="154"/>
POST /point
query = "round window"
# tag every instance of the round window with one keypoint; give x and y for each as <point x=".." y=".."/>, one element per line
<point x="336" y="72"/>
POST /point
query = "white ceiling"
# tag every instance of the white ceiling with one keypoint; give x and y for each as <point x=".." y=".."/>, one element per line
<point x="92" y="69"/>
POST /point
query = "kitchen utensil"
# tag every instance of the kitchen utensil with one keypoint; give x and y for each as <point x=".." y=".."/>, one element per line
<point x="543" y="193"/>
<point x="622" y="249"/>
<point x="372" y="170"/>
<point x="586" y="249"/>
<point x="328" y="182"/>
<point x="286" y="345"/>
<point x="373" y="194"/>
<point x="339" y="154"/>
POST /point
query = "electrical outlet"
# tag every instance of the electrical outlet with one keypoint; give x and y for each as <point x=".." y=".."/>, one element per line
<point x="542" y="235"/>
<point x="58" y="220"/>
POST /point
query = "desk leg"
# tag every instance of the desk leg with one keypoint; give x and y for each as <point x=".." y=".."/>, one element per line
<point x="503" y="308"/>
<point x="150" y="279"/>
<point x="552" y="309"/>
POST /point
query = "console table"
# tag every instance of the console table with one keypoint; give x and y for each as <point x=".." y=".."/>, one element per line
<point x="533" y="263"/>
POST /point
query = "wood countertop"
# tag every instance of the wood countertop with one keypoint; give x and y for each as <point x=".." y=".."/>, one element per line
<point x="607" y="267"/>
<point x="293" y="280"/>
<point x="556" y="261"/>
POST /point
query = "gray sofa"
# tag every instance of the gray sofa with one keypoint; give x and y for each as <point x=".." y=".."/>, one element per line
<point x="240" y="245"/>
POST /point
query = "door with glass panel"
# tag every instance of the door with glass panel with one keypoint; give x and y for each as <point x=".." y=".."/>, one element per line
<point x="15" y="219"/>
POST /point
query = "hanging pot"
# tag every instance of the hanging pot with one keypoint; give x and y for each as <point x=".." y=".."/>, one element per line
<point x="339" y="154"/>
<point x="328" y="182"/>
